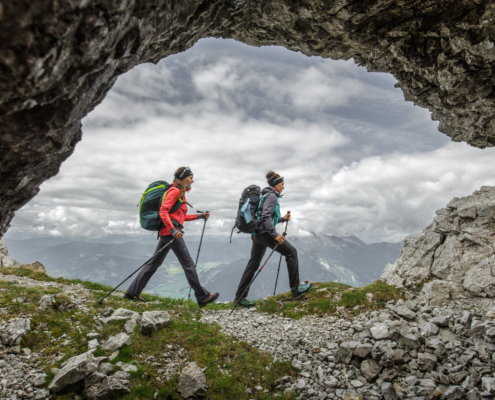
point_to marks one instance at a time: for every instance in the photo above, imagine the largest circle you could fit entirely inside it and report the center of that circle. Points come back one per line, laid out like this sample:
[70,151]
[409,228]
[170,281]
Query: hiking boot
[137,298]
[210,299]
[245,303]
[302,289]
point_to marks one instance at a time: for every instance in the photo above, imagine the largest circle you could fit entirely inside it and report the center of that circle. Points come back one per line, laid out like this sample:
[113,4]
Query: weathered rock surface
[59,62]
[456,252]
[74,370]
[120,315]
[116,342]
[46,302]
[153,320]
[5,260]
[12,333]
[192,381]
[35,266]
[453,359]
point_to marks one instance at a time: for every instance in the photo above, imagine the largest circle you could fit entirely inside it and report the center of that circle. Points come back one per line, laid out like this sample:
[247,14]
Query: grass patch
[125,355]
[327,298]
[143,391]
[231,366]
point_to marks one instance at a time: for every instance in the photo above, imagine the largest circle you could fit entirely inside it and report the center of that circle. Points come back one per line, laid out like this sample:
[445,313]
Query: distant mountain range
[110,260]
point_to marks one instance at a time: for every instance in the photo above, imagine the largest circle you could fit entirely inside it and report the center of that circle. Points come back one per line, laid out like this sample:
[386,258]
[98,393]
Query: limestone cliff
[59,59]
[456,252]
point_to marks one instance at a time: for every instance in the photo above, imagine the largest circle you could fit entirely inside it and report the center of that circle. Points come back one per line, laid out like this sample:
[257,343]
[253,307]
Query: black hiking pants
[180,250]
[258,250]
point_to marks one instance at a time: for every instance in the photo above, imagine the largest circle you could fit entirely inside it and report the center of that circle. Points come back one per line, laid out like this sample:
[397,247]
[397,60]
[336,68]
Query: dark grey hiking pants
[180,250]
[258,249]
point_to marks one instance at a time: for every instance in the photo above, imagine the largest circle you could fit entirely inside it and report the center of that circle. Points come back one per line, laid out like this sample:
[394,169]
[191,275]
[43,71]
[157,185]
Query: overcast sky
[356,157]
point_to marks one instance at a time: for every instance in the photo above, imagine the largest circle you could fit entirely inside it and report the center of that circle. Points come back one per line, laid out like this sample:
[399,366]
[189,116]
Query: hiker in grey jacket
[266,236]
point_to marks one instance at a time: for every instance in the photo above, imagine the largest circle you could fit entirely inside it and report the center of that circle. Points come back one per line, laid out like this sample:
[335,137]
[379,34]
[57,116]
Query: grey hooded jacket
[267,212]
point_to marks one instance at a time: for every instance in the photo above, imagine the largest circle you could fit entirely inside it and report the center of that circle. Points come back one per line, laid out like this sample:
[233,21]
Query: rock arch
[58,59]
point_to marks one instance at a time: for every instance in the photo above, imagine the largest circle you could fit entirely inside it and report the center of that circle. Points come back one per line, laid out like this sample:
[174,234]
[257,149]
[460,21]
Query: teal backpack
[149,207]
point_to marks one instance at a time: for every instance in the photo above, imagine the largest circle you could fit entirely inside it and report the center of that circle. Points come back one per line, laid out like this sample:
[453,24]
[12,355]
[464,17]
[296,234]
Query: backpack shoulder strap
[176,206]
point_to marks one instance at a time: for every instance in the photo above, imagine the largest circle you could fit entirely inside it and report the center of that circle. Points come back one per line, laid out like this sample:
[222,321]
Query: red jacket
[180,215]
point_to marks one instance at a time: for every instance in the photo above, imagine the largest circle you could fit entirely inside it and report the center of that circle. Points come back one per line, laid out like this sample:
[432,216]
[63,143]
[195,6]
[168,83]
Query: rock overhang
[59,60]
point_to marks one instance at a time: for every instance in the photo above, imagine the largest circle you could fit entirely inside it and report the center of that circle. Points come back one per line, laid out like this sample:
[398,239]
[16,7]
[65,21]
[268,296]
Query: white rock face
[480,280]
[456,249]
[116,342]
[121,315]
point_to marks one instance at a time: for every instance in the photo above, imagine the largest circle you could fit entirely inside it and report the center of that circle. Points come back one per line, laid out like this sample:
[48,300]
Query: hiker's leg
[140,282]
[290,253]
[180,250]
[257,252]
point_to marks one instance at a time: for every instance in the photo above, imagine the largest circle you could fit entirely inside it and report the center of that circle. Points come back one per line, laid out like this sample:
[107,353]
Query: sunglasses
[182,173]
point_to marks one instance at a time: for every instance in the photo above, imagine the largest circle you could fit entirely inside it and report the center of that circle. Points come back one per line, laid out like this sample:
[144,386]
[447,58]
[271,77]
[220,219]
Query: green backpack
[149,207]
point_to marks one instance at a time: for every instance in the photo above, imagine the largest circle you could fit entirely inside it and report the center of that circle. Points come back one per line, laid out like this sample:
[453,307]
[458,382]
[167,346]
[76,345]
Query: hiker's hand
[280,239]
[287,217]
[207,215]
[179,235]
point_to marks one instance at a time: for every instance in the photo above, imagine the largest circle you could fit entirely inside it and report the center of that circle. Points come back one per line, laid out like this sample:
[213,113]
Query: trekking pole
[115,288]
[252,280]
[278,271]
[201,241]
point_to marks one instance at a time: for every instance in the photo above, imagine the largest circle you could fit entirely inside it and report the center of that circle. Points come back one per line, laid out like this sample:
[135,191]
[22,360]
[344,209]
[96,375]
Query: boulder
[192,381]
[35,267]
[6,262]
[74,370]
[116,342]
[121,315]
[153,320]
[12,333]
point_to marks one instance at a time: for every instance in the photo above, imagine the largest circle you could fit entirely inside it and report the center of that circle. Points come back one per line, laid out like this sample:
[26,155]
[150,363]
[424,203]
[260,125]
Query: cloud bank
[356,157]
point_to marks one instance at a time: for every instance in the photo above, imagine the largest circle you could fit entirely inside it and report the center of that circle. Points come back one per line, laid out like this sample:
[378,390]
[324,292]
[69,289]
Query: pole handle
[202,212]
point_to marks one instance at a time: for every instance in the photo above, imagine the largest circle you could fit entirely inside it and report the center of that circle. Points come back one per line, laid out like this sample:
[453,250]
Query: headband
[275,181]
[184,174]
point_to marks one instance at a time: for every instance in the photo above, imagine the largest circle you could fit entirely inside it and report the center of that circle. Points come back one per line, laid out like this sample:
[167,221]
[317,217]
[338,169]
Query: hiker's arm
[283,219]
[191,217]
[170,199]
[269,204]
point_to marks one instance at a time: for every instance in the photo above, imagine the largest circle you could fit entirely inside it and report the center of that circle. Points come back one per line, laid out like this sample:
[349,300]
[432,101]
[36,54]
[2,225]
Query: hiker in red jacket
[173,229]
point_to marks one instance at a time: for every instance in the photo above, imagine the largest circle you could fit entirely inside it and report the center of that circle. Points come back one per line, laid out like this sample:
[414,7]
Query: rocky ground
[430,336]
[408,350]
